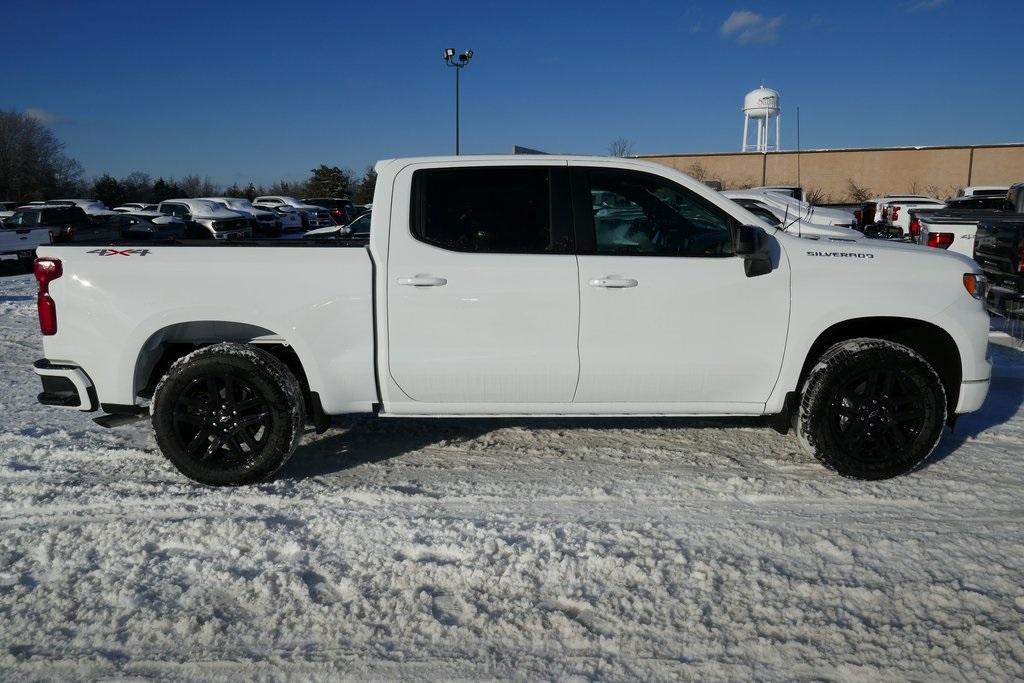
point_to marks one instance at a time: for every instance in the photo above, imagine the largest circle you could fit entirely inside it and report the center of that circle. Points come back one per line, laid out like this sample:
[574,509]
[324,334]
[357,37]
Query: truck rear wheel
[871,409]
[228,414]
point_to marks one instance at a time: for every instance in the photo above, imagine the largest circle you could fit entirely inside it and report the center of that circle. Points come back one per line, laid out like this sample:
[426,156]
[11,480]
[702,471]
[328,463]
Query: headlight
[976,285]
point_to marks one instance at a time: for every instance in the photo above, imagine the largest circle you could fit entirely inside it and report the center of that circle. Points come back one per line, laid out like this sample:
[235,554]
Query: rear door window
[503,210]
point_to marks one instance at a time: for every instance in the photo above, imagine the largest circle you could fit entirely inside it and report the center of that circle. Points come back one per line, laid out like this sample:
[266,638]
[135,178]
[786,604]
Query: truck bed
[313,297]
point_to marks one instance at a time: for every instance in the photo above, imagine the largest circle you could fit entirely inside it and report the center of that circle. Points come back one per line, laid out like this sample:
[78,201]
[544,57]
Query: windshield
[361,225]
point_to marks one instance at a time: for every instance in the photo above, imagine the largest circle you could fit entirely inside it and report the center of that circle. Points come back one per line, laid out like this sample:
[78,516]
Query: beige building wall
[848,174]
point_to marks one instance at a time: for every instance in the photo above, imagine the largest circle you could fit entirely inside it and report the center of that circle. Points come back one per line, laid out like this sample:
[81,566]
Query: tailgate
[13,240]
[997,249]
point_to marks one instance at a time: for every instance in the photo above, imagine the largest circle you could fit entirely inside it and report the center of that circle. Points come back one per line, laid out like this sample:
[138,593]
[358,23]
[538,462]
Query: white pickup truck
[18,241]
[501,286]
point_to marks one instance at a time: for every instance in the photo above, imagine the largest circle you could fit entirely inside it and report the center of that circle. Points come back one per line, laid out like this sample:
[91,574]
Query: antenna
[799,184]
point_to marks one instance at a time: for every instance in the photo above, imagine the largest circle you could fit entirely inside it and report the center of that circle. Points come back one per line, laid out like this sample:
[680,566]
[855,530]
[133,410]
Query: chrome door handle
[422,281]
[613,282]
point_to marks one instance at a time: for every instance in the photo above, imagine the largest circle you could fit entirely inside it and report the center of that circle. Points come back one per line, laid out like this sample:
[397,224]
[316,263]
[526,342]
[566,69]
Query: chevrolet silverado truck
[954,227]
[999,250]
[501,286]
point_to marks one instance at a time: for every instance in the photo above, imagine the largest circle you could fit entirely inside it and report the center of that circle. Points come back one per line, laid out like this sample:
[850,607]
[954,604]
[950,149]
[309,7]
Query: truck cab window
[489,210]
[641,213]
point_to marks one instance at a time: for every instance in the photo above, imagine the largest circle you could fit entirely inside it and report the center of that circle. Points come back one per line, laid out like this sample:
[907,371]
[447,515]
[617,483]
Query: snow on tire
[871,409]
[228,414]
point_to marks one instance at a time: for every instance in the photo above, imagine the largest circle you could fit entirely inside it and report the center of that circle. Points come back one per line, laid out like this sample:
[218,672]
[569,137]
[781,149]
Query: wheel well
[931,341]
[175,341]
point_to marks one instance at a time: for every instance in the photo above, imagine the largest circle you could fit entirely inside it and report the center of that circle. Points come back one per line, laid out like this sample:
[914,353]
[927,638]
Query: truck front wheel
[228,414]
[871,409]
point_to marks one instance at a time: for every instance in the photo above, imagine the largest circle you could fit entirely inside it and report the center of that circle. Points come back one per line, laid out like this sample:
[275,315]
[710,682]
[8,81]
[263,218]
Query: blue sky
[267,90]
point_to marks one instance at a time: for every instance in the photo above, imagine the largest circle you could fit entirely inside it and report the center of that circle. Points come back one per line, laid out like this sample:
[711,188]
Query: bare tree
[620,147]
[857,192]
[32,160]
[815,196]
[697,172]
[194,186]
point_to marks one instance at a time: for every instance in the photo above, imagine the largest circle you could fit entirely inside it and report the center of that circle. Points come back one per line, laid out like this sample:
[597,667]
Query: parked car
[954,227]
[65,223]
[483,292]
[133,207]
[265,223]
[762,211]
[798,217]
[93,207]
[357,229]
[20,234]
[343,211]
[149,226]
[207,220]
[312,216]
[7,209]
[983,191]
[291,220]
[794,191]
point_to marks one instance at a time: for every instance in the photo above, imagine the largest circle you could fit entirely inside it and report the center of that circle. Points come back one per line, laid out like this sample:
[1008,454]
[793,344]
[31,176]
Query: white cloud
[750,27]
[44,117]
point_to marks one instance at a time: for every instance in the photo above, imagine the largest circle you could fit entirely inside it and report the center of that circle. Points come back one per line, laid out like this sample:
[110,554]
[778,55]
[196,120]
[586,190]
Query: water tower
[761,105]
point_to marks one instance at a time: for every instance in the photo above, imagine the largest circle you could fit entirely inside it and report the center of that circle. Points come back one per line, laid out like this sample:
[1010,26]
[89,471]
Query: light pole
[459,63]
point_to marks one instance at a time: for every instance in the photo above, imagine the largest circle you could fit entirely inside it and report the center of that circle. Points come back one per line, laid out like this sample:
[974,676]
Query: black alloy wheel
[221,419]
[871,409]
[228,414]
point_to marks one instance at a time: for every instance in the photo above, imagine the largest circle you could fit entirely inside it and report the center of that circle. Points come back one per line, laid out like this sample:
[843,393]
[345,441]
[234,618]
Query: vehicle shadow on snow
[1004,401]
[367,440]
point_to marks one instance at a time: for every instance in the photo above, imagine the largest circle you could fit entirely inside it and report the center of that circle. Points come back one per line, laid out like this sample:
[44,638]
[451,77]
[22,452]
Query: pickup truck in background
[894,213]
[999,250]
[312,216]
[953,228]
[206,219]
[265,221]
[64,223]
[983,191]
[20,234]
[519,286]
[875,210]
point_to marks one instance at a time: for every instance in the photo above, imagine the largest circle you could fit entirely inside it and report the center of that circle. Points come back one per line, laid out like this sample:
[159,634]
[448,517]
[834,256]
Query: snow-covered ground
[652,549]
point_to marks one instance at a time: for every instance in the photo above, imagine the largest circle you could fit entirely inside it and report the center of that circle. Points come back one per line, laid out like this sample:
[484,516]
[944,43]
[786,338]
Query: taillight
[940,240]
[915,227]
[885,214]
[47,270]
[857,213]
[67,234]
[1020,257]
[894,213]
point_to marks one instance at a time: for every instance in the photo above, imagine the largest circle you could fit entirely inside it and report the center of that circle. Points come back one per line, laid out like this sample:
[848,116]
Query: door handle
[422,281]
[613,282]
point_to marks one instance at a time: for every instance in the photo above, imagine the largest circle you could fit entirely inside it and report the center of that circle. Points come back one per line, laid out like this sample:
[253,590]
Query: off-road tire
[871,409]
[228,414]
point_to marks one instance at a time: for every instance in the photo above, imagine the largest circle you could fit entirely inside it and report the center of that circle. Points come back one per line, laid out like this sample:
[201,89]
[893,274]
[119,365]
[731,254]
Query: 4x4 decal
[119,252]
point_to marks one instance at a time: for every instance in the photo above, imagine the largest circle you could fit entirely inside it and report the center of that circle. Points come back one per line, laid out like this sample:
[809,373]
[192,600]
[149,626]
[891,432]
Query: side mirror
[749,239]
[751,243]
